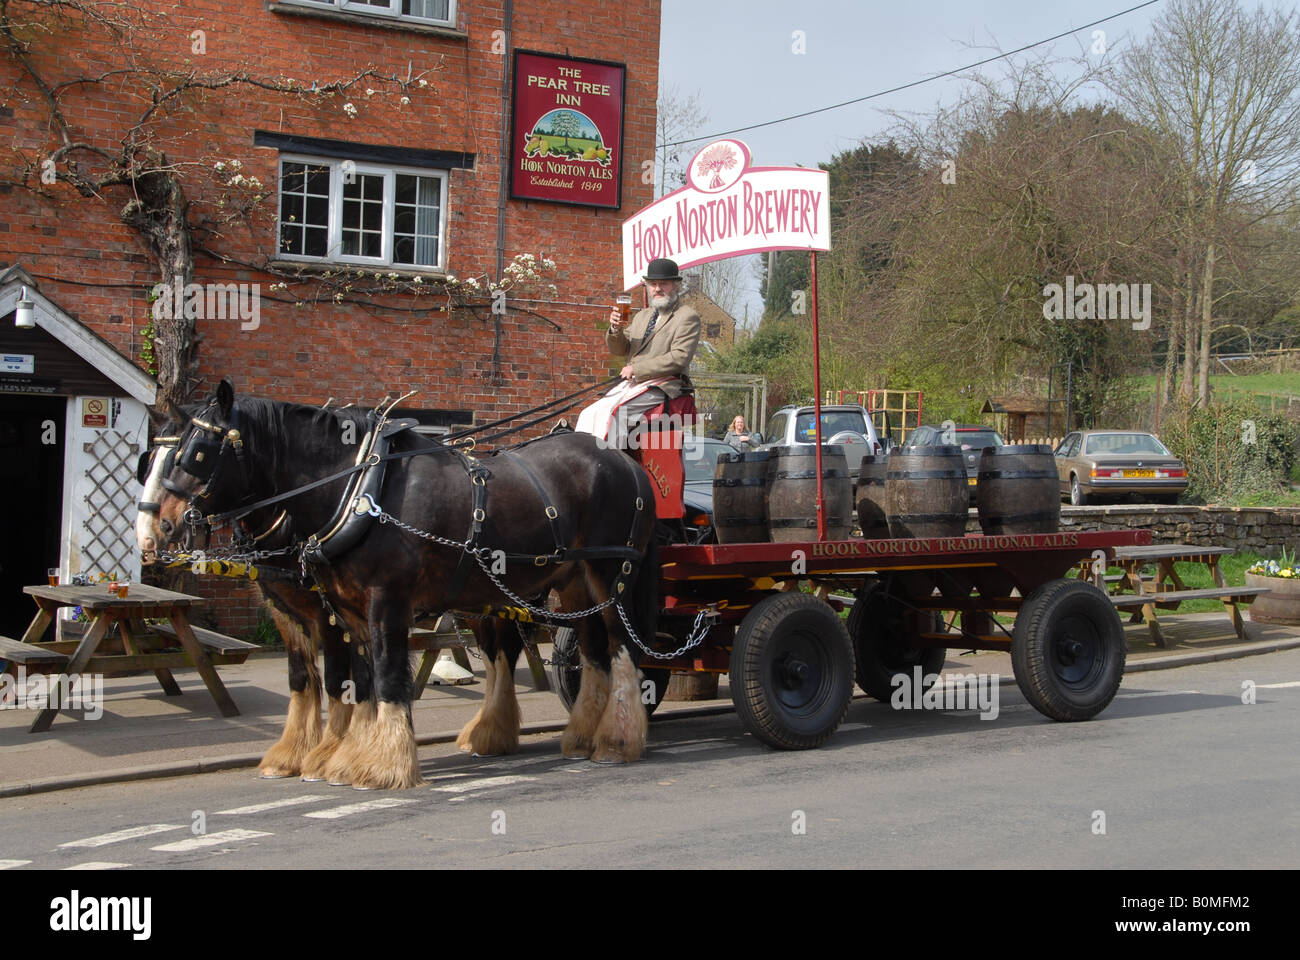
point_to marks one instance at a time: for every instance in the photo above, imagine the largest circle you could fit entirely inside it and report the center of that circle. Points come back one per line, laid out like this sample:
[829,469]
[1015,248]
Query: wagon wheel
[791,671]
[881,647]
[566,673]
[1068,650]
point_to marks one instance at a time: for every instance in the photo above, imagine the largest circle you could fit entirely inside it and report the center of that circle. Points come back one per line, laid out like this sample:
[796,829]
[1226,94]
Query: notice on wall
[94,411]
[567,130]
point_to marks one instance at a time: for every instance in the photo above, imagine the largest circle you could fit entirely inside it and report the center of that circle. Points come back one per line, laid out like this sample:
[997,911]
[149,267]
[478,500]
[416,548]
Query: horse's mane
[282,418]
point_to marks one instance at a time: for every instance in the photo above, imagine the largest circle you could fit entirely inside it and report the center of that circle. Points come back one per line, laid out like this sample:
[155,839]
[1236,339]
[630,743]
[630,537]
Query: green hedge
[1232,451]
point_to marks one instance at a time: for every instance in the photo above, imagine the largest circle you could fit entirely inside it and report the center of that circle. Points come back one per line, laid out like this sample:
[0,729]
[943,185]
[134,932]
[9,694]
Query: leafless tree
[1219,90]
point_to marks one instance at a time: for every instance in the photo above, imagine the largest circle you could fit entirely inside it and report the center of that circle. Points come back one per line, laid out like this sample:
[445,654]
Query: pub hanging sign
[566,127]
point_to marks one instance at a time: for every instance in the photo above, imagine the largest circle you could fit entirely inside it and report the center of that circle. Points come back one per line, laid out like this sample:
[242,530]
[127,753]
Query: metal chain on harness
[481,554]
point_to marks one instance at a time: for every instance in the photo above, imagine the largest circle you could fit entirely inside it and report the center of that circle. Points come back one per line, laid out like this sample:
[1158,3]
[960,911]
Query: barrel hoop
[929,475]
[924,517]
[808,522]
[828,474]
[1019,474]
[739,482]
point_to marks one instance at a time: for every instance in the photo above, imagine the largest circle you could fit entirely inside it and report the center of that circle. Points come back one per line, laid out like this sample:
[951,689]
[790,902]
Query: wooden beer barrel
[740,497]
[926,494]
[869,495]
[792,494]
[1018,490]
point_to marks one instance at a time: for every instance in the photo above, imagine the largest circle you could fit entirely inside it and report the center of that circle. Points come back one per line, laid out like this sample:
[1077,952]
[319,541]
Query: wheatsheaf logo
[76,913]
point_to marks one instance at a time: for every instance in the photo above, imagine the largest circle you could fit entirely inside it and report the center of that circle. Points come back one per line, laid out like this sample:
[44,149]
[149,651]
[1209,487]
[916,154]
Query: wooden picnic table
[1166,588]
[144,644]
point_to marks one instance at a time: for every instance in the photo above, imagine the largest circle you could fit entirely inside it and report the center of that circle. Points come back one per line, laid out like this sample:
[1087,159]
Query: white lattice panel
[108,544]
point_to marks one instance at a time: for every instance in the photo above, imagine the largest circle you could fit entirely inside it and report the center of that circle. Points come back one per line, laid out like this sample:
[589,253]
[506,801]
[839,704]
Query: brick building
[401,176]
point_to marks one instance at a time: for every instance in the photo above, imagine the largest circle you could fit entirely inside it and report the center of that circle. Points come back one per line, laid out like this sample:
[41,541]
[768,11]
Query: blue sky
[739,55]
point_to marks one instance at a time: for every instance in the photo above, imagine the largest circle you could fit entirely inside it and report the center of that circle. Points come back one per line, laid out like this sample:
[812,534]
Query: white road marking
[1277,686]
[481,783]
[1157,693]
[99,865]
[275,804]
[693,747]
[104,839]
[347,810]
[10,864]
[210,840]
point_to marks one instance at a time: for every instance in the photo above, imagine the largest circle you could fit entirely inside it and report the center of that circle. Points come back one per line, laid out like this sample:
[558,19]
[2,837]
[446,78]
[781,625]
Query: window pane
[318,211]
[304,200]
[316,242]
[318,181]
[417,212]
[431,9]
[291,208]
[374,216]
[290,238]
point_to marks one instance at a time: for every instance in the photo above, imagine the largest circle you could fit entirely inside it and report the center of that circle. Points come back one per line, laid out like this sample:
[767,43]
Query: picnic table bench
[145,645]
[1166,589]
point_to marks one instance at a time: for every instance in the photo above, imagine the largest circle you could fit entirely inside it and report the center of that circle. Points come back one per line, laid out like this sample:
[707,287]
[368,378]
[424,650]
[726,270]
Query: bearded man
[659,342]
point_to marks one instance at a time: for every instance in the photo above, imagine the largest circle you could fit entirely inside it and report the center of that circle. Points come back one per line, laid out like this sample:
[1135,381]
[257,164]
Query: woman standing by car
[740,438]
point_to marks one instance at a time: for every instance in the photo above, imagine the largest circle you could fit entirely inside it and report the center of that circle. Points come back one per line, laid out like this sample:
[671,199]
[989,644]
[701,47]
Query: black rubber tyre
[791,671]
[1077,497]
[567,680]
[880,648]
[1068,650]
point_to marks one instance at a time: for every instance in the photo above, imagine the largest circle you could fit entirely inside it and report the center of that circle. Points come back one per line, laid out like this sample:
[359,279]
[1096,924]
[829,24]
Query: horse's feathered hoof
[273,774]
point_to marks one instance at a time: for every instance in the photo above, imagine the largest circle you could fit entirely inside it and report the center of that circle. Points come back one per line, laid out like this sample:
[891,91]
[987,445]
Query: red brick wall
[97,269]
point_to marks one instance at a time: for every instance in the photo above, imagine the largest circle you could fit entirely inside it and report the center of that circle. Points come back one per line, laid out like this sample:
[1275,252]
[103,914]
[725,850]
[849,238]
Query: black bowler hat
[662,269]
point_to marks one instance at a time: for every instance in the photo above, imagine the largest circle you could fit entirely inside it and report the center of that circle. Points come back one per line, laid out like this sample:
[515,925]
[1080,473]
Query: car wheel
[1077,496]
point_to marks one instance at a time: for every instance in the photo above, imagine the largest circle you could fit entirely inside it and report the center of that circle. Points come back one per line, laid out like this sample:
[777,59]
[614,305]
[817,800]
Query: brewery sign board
[729,208]
[566,130]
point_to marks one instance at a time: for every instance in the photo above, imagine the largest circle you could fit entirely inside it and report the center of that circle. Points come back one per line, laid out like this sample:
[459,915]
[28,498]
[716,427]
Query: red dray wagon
[769,615]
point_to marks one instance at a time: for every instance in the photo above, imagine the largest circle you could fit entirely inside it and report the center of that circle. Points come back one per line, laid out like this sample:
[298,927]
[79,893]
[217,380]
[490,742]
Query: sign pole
[817,404]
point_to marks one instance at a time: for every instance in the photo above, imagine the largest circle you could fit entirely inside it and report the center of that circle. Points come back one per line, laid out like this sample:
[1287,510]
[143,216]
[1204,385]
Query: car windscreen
[832,423]
[1124,444]
[978,439]
[700,457]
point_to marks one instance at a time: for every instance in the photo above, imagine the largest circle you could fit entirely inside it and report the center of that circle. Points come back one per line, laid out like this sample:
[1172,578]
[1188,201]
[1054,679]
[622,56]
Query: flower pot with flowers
[1282,578]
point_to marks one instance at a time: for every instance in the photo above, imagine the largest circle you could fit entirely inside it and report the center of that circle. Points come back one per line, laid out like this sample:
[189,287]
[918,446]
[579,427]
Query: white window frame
[334,232]
[392,10]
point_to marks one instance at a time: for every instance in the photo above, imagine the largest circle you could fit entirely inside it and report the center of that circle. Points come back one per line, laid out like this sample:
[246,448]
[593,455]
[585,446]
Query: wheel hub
[794,672]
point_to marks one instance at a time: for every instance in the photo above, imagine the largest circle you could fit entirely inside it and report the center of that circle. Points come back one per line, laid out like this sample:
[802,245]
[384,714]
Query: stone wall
[1263,530]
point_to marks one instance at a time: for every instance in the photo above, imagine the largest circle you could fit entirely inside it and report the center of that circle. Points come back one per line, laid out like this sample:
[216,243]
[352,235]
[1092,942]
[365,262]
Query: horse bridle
[200,451]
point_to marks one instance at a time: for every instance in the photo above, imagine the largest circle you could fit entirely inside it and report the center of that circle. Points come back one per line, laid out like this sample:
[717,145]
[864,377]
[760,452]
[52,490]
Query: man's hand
[627,373]
[616,320]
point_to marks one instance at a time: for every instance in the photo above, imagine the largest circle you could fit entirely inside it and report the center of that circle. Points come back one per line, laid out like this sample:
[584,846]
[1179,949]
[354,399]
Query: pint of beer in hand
[624,302]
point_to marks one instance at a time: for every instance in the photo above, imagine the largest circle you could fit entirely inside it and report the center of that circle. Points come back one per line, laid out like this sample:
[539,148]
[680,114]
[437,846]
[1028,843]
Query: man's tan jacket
[667,353]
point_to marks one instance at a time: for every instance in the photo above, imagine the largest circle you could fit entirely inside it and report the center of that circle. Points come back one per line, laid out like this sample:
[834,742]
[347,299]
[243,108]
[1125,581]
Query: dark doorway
[31,501]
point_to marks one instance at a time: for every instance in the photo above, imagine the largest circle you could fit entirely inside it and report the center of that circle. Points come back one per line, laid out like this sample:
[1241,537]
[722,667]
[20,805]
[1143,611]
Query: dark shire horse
[297,611]
[560,513]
